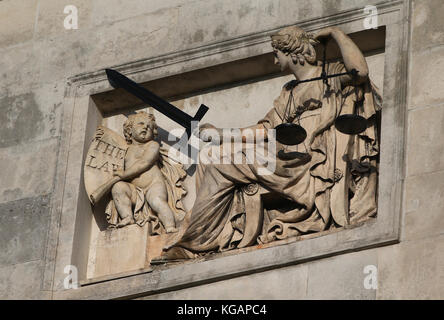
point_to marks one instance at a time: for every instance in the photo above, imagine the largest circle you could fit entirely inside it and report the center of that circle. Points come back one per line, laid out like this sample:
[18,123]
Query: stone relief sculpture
[331,183]
[144,183]
[328,182]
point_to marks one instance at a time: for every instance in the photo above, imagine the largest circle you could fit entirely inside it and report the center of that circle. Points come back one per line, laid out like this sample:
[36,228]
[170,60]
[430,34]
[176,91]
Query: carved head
[295,42]
[140,127]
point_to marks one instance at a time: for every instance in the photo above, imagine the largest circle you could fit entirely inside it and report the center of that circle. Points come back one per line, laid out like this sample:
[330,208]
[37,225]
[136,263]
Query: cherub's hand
[118,173]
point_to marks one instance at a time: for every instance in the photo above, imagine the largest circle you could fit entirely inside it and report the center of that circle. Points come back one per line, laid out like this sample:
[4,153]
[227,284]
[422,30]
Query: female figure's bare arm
[351,54]
[246,133]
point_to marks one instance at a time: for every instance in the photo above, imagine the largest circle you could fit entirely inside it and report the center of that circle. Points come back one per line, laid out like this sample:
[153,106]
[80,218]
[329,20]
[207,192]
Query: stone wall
[38,56]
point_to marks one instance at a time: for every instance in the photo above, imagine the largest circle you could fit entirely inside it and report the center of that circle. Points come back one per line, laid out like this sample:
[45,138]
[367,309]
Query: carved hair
[296,42]
[128,125]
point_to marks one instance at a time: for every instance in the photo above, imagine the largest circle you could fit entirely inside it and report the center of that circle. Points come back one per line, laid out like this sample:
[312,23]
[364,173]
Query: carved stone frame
[69,224]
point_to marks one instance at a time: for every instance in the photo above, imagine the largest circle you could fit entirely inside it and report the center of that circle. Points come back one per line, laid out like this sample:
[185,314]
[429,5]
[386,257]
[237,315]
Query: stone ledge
[232,264]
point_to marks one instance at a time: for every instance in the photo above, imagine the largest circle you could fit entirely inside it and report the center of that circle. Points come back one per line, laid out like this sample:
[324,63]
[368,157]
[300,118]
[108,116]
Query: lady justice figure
[333,180]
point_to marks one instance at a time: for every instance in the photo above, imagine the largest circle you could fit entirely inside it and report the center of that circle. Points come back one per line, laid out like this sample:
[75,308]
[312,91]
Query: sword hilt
[197,117]
[200,113]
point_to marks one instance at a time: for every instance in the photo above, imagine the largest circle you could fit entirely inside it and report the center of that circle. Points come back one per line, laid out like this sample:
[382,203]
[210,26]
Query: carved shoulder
[151,149]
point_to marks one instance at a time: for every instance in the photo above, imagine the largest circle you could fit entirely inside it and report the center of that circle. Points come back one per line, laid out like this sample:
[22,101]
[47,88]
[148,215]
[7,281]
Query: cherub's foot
[171,230]
[125,221]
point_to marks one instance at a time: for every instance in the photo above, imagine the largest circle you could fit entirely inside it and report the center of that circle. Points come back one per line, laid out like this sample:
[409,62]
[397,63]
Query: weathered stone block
[21,119]
[428,30]
[104,11]
[33,115]
[17,19]
[27,170]
[425,151]
[124,40]
[51,17]
[290,12]
[22,281]
[23,230]
[77,52]
[412,270]
[65,56]
[284,283]
[125,249]
[341,277]
[427,75]
[19,69]
[212,20]
[424,206]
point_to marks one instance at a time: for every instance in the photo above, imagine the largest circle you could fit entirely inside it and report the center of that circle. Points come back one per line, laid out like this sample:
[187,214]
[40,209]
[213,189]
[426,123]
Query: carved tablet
[105,155]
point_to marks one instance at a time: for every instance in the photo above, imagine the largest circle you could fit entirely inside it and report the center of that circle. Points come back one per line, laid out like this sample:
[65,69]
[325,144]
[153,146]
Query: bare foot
[171,229]
[125,221]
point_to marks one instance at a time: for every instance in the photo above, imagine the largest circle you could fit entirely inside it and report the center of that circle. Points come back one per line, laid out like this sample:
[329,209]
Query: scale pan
[290,134]
[351,124]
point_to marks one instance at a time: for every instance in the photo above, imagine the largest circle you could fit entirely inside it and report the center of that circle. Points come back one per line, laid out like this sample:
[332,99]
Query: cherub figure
[141,181]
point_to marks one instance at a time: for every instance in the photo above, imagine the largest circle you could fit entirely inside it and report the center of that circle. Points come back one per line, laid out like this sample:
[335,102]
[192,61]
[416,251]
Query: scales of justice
[294,134]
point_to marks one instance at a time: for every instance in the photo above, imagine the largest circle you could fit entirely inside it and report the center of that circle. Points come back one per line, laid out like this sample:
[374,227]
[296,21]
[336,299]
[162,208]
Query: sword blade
[118,80]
